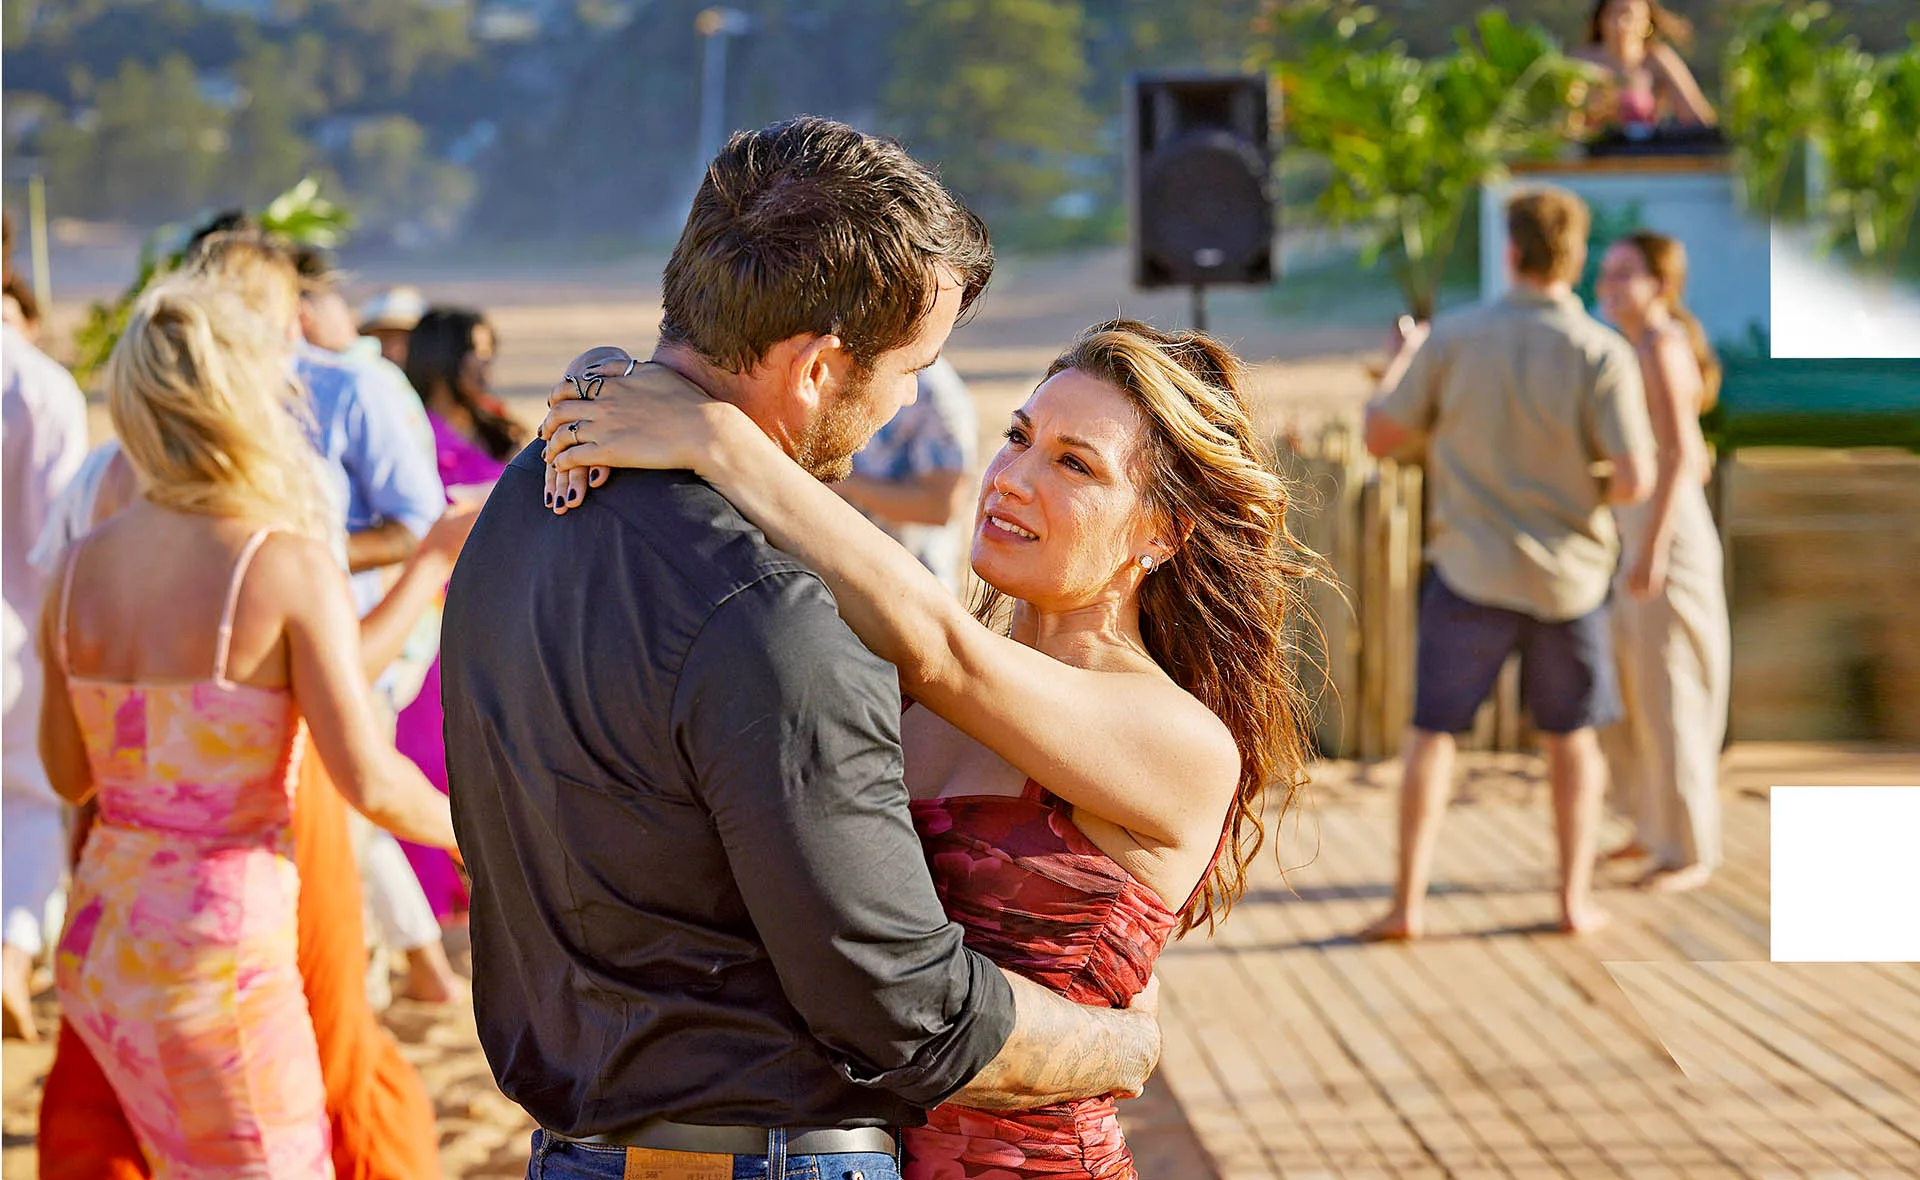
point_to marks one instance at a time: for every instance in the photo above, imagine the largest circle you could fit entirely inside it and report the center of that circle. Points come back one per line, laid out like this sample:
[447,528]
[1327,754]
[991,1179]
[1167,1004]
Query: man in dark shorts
[705,941]
[1515,405]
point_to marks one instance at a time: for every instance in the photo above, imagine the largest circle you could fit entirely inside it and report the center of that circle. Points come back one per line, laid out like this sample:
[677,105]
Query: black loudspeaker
[1201,211]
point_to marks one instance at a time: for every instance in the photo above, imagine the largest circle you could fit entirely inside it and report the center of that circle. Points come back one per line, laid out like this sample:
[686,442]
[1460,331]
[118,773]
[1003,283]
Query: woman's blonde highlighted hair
[1215,614]
[203,399]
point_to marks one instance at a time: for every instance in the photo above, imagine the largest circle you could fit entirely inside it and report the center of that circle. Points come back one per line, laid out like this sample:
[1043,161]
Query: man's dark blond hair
[812,227]
[1548,229]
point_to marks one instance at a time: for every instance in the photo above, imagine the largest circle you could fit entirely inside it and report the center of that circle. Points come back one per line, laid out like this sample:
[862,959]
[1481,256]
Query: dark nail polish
[549,499]
[573,494]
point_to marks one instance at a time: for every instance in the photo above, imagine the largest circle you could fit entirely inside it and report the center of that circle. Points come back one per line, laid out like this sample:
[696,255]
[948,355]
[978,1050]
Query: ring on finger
[633,362]
[574,427]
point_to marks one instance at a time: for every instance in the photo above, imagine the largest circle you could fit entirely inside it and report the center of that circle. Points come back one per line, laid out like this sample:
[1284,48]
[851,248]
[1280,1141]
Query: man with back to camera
[1514,404]
[704,935]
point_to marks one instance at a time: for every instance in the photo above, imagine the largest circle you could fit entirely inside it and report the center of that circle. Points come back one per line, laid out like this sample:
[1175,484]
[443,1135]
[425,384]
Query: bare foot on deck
[1396,926]
[430,977]
[1676,880]
[16,1006]
[1584,919]
[1631,850]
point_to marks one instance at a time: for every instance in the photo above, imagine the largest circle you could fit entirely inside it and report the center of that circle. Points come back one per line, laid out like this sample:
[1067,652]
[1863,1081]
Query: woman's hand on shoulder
[614,411]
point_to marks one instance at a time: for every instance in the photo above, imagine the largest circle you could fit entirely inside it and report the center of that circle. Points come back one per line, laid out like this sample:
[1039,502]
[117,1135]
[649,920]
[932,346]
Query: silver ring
[594,382]
[574,426]
[632,363]
[573,379]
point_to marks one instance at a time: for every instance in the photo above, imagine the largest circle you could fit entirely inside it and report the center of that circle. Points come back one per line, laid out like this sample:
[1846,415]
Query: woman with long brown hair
[1094,744]
[1671,633]
[1637,44]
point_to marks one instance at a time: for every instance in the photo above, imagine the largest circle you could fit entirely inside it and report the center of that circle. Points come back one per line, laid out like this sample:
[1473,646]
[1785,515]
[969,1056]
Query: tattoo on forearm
[1060,1052]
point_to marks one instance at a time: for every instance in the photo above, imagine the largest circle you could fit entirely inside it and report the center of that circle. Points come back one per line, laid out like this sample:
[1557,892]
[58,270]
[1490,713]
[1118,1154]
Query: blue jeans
[555,1158]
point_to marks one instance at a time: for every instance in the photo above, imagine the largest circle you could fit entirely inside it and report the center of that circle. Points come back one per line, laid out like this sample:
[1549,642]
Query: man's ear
[818,367]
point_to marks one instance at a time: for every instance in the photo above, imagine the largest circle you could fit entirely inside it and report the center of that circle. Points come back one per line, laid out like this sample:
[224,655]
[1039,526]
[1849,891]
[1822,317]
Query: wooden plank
[1494,1053]
[1743,1060]
[1568,1122]
[1203,1059]
[1721,1113]
[1636,1076]
[1342,910]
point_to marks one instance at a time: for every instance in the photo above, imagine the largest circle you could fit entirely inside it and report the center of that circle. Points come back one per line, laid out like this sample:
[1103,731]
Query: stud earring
[1146,562]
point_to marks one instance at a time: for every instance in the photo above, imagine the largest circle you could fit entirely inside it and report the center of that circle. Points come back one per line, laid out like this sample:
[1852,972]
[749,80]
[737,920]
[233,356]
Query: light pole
[37,238]
[716,25]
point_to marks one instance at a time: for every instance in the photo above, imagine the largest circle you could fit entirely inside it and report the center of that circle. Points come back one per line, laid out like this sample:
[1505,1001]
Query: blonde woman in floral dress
[197,639]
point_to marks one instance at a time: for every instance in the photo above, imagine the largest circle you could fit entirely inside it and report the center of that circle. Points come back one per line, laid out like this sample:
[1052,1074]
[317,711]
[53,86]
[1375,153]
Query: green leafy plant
[300,215]
[1771,92]
[1868,130]
[1796,83]
[1410,140]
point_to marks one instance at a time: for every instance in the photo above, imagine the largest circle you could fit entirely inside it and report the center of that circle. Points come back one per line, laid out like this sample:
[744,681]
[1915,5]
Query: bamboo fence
[1357,652]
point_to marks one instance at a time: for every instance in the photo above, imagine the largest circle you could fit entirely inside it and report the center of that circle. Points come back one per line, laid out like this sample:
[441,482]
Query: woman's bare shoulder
[295,568]
[1202,732]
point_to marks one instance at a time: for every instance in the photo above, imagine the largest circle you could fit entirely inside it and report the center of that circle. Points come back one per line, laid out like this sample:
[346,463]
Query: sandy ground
[1032,309]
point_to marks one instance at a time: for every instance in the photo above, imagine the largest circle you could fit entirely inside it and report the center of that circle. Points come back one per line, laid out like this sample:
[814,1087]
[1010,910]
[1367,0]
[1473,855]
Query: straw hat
[396,307]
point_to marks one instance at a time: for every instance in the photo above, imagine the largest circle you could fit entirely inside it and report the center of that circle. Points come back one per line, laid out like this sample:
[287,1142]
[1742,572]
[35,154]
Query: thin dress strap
[233,597]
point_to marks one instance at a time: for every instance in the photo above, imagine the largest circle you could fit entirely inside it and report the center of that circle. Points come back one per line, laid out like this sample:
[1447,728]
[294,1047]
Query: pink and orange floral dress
[177,967]
[1036,896]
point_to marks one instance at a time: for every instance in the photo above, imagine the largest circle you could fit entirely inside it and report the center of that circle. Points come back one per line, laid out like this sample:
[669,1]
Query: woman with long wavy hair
[1093,746]
[1671,634]
[200,638]
[1637,44]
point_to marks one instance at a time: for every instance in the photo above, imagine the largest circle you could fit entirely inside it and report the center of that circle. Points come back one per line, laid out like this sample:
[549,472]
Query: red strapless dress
[1036,896]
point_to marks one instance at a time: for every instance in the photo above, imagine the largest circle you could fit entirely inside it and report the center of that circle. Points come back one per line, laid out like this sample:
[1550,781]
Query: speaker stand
[1198,316]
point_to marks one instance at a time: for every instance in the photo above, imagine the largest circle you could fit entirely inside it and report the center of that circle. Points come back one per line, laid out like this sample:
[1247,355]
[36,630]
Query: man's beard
[845,425]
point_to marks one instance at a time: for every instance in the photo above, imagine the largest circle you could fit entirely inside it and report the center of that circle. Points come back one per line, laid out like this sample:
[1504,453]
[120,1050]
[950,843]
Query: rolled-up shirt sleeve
[1413,402]
[791,730]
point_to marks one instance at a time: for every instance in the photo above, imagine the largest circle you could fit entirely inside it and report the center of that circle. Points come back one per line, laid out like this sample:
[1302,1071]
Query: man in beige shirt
[1514,407]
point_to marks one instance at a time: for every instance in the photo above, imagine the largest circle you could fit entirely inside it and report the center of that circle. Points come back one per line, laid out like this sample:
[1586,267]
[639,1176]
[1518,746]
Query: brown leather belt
[662,1135]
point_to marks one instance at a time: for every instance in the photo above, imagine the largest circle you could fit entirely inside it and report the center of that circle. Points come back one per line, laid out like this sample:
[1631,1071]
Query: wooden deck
[1498,1048]
[1494,1049]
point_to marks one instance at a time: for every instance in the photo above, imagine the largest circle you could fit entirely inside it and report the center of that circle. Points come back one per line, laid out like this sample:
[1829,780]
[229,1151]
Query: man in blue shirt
[372,429]
[392,488]
[911,479]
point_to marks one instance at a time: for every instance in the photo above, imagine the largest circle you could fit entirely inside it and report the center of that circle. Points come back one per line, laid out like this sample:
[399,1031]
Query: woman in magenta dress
[448,358]
[1088,753]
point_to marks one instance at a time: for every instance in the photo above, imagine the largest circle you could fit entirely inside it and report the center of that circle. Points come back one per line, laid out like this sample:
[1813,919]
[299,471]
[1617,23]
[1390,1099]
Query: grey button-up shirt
[697,891]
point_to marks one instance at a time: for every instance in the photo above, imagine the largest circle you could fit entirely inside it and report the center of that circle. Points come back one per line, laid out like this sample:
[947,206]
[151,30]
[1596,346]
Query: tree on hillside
[991,91]
[268,150]
[150,146]
[398,186]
